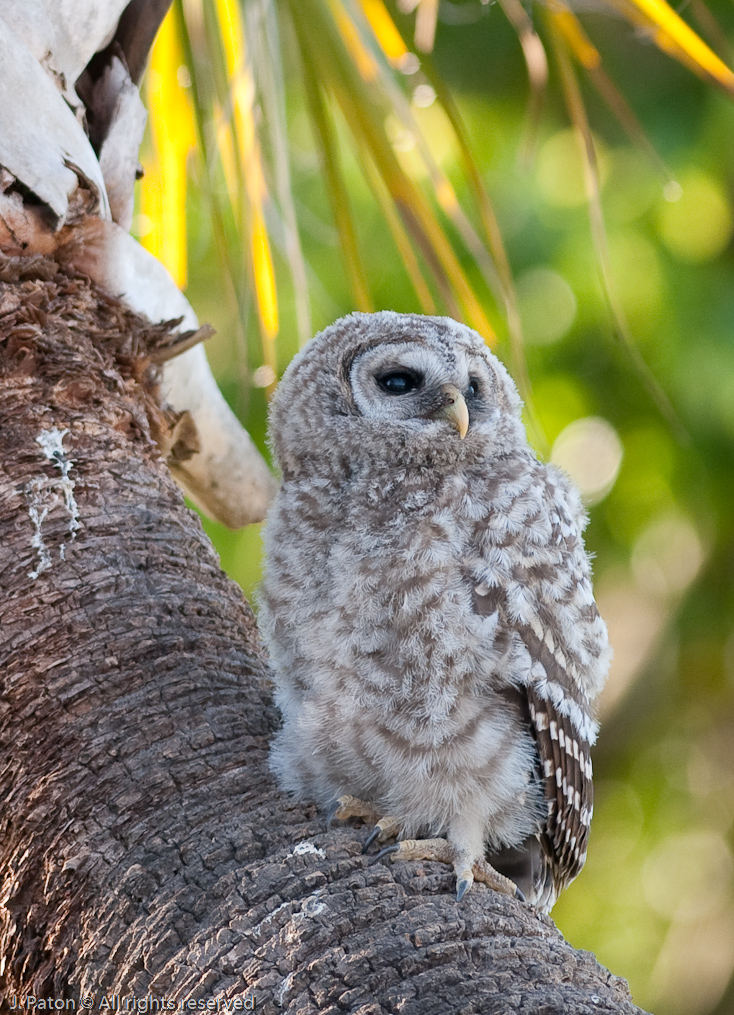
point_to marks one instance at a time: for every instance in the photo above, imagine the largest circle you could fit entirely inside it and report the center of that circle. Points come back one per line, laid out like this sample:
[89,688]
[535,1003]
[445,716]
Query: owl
[428,608]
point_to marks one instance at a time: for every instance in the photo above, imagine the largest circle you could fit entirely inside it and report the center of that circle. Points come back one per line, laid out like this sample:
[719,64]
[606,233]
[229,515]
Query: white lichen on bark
[302,848]
[45,492]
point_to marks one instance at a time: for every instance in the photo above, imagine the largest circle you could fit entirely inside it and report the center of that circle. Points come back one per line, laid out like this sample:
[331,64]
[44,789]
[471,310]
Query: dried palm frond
[360,81]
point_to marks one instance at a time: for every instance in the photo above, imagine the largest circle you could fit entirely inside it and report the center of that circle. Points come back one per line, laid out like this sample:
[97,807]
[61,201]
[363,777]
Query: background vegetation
[656,900]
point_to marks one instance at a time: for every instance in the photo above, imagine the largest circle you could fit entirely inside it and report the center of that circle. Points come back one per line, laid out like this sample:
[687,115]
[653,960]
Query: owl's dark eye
[399,382]
[473,388]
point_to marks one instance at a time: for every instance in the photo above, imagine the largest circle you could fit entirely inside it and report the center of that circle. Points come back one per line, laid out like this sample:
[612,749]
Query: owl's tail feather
[528,866]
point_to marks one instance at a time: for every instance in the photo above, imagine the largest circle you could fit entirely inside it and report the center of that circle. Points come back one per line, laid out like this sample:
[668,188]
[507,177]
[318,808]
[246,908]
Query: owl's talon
[385,828]
[519,896]
[463,886]
[374,834]
[385,851]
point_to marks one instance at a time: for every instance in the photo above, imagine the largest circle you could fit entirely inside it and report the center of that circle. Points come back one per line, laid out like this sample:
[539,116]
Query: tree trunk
[145,850]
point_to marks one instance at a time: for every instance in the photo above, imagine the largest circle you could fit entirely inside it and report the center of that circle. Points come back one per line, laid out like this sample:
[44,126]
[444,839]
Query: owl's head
[394,387]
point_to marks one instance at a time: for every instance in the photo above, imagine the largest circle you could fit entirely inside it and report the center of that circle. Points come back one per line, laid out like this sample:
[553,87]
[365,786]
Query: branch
[144,846]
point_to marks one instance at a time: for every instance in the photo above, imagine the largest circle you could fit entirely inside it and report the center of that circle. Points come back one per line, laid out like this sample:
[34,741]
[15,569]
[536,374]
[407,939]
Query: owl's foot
[468,870]
[352,807]
[385,828]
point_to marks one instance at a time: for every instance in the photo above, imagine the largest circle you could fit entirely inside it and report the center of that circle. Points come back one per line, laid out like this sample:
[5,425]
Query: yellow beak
[455,411]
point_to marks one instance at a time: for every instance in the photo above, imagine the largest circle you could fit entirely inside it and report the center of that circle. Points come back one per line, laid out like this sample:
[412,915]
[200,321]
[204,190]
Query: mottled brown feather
[427,597]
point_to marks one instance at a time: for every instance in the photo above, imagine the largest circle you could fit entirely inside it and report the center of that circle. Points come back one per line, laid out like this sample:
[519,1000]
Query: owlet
[428,607]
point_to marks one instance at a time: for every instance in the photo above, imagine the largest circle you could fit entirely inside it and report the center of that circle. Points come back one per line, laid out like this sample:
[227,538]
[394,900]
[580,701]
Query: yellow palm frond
[163,191]
[358,66]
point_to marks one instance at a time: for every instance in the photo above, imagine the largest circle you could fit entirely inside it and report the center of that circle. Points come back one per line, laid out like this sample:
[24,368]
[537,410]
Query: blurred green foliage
[656,900]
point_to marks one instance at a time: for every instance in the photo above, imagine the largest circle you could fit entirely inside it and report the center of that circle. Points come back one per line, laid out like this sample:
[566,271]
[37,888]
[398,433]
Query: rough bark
[67,191]
[144,847]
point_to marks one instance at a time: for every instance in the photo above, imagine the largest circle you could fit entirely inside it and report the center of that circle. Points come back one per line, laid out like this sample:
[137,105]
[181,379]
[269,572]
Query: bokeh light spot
[698,226]
[409,64]
[561,171]
[424,96]
[667,556]
[263,377]
[547,305]
[590,451]
[402,139]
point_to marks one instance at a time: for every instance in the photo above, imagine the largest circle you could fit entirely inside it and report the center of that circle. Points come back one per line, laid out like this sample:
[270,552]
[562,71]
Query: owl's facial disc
[407,383]
[453,408]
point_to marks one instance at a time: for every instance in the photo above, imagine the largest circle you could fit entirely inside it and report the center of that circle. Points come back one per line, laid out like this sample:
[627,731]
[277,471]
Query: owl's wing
[547,611]
[556,710]
[565,764]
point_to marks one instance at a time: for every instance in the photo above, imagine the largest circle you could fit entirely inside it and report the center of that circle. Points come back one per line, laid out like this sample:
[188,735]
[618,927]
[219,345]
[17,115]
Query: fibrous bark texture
[145,850]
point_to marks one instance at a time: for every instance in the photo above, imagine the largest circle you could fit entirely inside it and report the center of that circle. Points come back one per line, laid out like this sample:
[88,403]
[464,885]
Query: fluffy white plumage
[427,601]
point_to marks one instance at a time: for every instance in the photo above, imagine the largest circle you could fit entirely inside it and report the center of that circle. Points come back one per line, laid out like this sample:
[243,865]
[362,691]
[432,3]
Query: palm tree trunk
[145,851]
[130,673]
[147,859]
